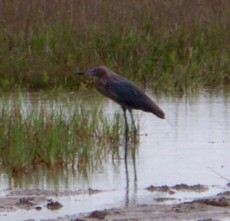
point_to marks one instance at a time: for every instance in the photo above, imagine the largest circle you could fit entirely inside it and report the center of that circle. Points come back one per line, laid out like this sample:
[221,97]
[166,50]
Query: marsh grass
[55,137]
[168,45]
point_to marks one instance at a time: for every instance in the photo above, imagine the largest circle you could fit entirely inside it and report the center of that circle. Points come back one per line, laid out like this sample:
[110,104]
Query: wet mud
[36,199]
[178,187]
[203,209]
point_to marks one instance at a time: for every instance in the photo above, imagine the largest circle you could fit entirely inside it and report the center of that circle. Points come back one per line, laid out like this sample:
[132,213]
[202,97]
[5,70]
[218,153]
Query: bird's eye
[93,72]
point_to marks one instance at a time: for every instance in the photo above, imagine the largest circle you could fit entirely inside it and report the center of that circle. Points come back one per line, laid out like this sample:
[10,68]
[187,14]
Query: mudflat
[204,209]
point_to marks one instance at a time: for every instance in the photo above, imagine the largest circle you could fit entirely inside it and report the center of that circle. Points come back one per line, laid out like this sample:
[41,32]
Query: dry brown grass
[44,42]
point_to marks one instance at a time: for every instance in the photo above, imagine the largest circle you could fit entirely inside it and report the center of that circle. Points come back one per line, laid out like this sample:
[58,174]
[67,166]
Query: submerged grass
[169,45]
[51,137]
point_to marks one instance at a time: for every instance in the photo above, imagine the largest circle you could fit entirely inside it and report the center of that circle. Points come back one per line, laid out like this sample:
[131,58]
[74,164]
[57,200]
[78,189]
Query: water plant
[55,135]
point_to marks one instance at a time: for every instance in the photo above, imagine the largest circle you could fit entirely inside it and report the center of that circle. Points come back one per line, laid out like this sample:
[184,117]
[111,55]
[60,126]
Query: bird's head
[96,72]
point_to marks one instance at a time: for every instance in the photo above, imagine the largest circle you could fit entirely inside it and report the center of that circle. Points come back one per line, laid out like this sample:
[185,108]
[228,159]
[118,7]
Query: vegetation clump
[55,136]
[168,45]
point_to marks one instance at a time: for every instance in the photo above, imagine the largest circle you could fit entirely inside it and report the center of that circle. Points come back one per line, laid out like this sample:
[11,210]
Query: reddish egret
[124,92]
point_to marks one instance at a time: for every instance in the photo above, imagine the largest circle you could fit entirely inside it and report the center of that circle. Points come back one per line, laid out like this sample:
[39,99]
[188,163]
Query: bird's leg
[126,124]
[133,123]
[126,133]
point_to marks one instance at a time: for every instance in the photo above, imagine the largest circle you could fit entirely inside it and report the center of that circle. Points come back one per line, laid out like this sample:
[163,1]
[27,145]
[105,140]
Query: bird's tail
[157,111]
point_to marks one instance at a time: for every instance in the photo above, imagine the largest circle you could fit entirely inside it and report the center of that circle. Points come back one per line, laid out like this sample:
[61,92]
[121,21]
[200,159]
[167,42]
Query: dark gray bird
[124,92]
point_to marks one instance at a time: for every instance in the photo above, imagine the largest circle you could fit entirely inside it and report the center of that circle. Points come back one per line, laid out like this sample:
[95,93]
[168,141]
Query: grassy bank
[169,45]
[55,137]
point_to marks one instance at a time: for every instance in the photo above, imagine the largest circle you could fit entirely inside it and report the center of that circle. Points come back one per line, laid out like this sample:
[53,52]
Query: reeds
[55,136]
[166,44]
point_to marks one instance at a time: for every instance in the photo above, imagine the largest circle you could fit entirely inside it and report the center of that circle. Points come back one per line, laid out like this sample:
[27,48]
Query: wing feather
[128,95]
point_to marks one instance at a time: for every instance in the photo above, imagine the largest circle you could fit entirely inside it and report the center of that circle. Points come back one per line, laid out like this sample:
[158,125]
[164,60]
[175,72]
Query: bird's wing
[128,94]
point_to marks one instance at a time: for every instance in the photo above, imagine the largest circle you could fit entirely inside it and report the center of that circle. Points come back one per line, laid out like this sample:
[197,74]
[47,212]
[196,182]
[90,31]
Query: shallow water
[193,150]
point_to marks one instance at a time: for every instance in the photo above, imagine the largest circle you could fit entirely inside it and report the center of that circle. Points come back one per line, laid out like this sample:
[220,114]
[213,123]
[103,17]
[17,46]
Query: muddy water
[193,149]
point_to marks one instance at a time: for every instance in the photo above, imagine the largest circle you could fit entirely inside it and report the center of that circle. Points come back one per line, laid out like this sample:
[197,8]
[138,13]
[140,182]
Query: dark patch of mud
[25,203]
[220,200]
[36,199]
[209,219]
[201,204]
[161,199]
[98,214]
[78,219]
[179,187]
[54,205]
[12,203]
[205,209]
[226,193]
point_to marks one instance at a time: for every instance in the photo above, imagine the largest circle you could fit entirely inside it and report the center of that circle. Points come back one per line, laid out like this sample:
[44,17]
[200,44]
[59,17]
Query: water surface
[195,150]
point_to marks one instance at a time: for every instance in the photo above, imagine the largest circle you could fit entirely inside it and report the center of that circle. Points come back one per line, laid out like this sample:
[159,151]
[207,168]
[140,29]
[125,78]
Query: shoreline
[204,209]
[212,208]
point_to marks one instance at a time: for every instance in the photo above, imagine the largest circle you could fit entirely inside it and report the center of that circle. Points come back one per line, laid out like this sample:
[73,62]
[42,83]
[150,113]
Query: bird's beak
[80,73]
[88,72]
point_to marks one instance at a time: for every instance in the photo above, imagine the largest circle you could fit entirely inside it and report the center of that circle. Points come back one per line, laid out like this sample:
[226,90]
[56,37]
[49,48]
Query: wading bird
[123,92]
